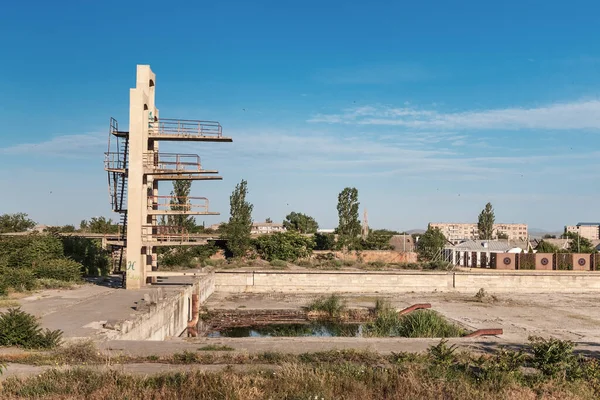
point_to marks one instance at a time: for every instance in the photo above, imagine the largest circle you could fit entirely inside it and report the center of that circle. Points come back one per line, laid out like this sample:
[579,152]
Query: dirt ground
[574,317]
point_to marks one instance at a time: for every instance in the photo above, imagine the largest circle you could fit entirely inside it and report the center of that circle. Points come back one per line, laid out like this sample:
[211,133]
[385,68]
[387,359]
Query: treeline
[20,222]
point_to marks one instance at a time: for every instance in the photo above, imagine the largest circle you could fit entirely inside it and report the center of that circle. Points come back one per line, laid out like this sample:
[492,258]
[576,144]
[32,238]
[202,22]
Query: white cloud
[559,116]
[69,146]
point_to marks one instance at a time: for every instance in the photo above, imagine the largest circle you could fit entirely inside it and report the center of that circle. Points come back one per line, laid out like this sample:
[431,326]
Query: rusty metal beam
[414,307]
[485,332]
[191,326]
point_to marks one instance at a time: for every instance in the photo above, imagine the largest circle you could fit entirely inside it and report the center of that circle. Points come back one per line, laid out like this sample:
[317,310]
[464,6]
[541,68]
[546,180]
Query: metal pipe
[191,326]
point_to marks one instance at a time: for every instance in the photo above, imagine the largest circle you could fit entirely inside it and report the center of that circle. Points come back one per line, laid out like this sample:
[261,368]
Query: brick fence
[386,256]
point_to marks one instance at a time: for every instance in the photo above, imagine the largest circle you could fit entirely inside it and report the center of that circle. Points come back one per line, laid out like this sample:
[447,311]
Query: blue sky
[429,108]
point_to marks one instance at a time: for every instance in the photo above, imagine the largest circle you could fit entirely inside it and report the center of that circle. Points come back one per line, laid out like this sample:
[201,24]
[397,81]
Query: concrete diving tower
[136,166]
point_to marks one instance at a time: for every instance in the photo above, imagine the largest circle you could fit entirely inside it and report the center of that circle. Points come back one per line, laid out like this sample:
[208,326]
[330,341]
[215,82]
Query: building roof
[402,243]
[560,243]
[492,245]
[588,223]
[266,224]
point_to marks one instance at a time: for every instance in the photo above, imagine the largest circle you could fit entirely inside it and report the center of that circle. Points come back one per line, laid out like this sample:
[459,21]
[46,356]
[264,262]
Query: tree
[99,225]
[349,227]
[18,222]
[545,247]
[378,239]
[60,229]
[286,246]
[300,223]
[269,220]
[548,236]
[324,241]
[430,244]
[502,235]
[579,244]
[485,226]
[180,202]
[237,230]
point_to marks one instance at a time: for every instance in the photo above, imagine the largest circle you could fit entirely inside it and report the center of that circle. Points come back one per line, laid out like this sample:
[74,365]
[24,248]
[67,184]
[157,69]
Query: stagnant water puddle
[387,323]
[315,329]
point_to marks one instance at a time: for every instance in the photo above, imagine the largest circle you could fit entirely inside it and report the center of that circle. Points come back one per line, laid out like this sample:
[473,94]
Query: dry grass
[8,303]
[293,381]
[442,373]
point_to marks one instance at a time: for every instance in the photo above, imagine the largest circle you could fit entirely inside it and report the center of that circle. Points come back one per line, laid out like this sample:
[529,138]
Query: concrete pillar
[141,111]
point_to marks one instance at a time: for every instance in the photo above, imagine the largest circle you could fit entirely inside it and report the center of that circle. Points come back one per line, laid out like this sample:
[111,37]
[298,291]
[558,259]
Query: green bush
[421,323]
[286,246]
[552,357]
[26,251]
[89,253]
[332,305]
[324,241]
[18,328]
[441,354]
[426,323]
[185,256]
[17,279]
[62,269]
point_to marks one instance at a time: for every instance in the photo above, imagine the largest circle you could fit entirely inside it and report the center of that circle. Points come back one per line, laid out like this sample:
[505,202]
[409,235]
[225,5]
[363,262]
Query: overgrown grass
[325,263]
[216,347]
[78,353]
[50,283]
[279,264]
[420,323]
[348,374]
[6,302]
[332,305]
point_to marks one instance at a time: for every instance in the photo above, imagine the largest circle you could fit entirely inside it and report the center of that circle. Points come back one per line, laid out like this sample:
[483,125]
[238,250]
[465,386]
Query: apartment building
[456,232]
[588,230]
[266,227]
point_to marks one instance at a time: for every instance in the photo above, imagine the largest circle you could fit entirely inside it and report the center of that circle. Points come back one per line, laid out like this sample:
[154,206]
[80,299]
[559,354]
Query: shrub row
[25,259]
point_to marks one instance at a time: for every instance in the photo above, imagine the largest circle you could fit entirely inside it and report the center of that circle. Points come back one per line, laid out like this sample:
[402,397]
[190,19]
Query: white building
[477,253]
[266,227]
[325,230]
[456,232]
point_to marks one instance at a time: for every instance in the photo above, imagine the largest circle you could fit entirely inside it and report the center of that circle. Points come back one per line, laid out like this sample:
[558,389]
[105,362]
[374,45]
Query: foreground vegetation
[18,328]
[545,368]
[35,261]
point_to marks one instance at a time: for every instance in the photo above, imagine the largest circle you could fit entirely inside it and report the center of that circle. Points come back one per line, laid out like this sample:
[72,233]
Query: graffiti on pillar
[130,265]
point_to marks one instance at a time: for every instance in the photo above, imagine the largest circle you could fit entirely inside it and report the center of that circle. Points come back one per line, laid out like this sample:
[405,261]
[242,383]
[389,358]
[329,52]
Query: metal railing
[172,162]
[114,160]
[184,128]
[165,233]
[164,203]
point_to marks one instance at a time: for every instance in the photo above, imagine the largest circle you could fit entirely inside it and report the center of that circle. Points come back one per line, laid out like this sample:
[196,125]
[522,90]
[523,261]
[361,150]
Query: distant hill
[538,233]
[413,231]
